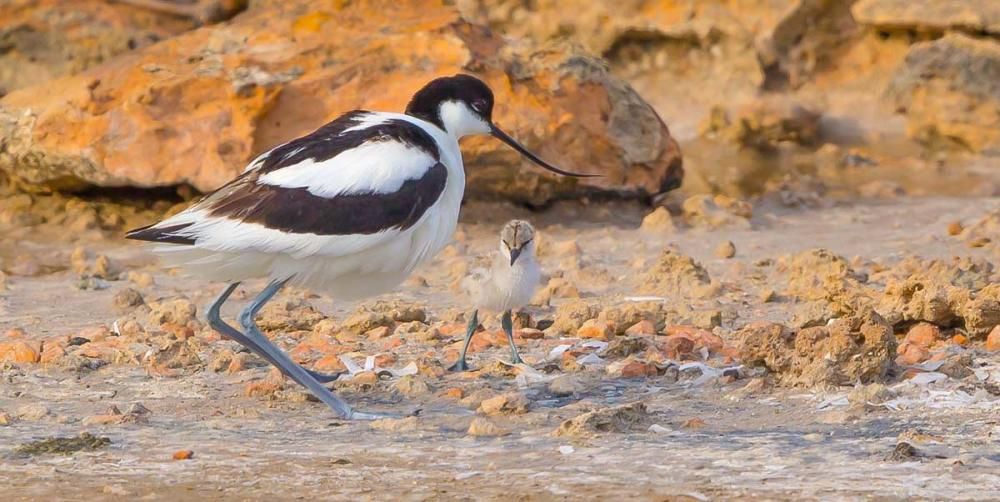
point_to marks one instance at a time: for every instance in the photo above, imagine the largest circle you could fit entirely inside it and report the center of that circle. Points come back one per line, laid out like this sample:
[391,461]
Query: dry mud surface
[642,424]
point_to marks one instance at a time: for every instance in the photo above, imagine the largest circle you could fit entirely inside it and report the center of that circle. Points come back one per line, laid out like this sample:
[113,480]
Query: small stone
[410,385]
[78,260]
[453,393]
[25,266]
[923,334]
[32,412]
[174,311]
[641,328]
[993,340]
[979,242]
[105,269]
[726,250]
[127,298]
[5,418]
[594,329]
[484,427]
[529,334]
[693,423]
[658,221]
[511,403]
[620,419]
[955,228]
[19,351]
[364,378]
[378,333]
[140,279]
[565,385]
[183,455]
[908,354]
[638,369]
[767,295]
[407,424]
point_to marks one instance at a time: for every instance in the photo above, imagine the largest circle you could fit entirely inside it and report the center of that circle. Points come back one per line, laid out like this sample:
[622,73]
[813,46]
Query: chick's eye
[479,105]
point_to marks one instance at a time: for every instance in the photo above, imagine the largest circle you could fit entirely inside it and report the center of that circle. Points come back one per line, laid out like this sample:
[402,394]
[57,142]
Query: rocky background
[874,97]
[788,267]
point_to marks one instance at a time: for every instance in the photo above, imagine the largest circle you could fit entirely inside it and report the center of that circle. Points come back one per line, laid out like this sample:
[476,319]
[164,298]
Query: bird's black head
[462,105]
[444,98]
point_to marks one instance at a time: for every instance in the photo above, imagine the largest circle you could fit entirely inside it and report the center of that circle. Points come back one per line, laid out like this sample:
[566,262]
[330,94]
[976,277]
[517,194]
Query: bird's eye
[479,105]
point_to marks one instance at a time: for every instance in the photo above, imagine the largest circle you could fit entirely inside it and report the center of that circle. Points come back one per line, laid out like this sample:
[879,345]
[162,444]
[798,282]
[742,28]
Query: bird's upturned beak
[502,136]
[514,253]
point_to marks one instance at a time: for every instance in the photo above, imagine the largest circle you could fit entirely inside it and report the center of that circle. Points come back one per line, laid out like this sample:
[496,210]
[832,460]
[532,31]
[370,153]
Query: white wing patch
[222,234]
[377,166]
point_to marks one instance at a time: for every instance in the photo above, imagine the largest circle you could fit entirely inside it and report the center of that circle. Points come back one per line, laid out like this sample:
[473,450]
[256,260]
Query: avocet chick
[508,284]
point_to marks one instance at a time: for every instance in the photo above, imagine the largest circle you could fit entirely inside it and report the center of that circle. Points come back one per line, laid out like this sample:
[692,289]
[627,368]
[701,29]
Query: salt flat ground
[697,441]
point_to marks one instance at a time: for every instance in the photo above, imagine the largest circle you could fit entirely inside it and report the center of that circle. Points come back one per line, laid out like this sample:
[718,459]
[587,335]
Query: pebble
[484,427]
[658,221]
[955,228]
[641,328]
[183,455]
[993,340]
[411,386]
[127,298]
[565,385]
[32,412]
[923,334]
[726,250]
[594,329]
[396,424]
[511,403]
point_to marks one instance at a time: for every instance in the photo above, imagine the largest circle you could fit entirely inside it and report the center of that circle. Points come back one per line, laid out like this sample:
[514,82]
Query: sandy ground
[724,438]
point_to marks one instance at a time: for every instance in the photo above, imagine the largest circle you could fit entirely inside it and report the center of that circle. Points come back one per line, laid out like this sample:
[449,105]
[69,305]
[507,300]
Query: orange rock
[677,346]
[51,352]
[528,334]
[635,369]
[183,455]
[91,127]
[908,354]
[641,328]
[14,333]
[18,351]
[385,360]
[393,342]
[592,328]
[993,340]
[960,340]
[329,364]
[262,388]
[693,423]
[700,337]
[365,378]
[237,364]
[923,334]
[378,333]
[79,34]
[453,393]
[955,228]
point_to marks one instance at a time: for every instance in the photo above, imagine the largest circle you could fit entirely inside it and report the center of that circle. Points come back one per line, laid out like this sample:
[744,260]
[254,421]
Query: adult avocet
[350,209]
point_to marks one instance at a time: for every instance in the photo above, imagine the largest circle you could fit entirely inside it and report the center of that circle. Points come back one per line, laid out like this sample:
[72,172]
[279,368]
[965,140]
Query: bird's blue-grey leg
[469,331]
[216,322]
[285,363]
[508,327]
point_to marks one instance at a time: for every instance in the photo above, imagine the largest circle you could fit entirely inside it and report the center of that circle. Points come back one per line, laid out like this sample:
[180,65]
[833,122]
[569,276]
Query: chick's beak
[514,253]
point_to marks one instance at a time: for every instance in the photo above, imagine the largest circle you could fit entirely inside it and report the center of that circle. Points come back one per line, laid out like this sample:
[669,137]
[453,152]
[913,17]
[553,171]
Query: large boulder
[44,39]
[195,108]
[930,16]
[950,92]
